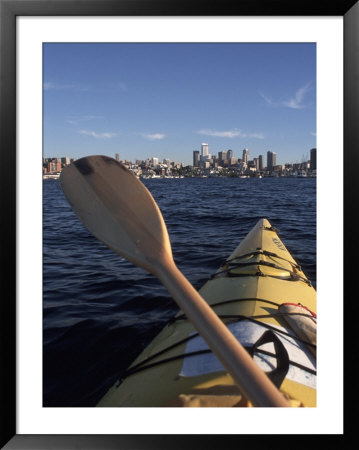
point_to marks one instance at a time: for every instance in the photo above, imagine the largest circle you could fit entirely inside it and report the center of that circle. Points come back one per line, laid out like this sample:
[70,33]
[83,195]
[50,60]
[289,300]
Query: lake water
[99,311]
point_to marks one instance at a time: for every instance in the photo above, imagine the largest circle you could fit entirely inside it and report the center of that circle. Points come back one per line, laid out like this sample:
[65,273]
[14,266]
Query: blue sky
[164,100]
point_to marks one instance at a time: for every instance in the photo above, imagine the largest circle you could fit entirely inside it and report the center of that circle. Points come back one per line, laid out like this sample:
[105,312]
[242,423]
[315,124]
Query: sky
[165,99]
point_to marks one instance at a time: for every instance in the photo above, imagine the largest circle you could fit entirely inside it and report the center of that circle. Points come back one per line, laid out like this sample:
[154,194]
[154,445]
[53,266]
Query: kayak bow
[269,305]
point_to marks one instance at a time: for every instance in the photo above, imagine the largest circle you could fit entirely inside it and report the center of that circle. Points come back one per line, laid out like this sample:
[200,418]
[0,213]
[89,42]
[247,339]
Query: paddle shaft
[253,382]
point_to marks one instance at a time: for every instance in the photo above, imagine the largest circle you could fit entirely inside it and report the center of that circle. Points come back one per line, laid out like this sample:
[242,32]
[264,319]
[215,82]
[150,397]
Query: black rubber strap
[278,374]
[276,230]
[239,317]
[291,277]
[262,252]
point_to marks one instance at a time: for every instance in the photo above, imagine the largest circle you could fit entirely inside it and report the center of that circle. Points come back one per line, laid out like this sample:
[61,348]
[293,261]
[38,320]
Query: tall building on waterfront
[54,165]
[229,155]
[65,160]
[313,159]
[245,157]
[222,155]
[271,160]
[195,158]
[117,156]
[260,162]
[204,150]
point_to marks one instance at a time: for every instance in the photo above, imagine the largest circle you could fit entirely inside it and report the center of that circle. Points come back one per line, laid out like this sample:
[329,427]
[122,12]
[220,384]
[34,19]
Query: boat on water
[52,176]
[161,177]
[267,302]
[301,174]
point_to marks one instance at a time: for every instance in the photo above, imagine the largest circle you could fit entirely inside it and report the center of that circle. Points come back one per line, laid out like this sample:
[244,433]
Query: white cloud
[97,135]
[154,136]
[295,102]
[48,85]
[292,103]
[268,100]
[230,133]
[253,135]
[73,120]
[106,87]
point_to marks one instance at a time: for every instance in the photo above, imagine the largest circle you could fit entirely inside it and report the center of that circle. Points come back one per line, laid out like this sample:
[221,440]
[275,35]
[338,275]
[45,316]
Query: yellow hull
[177,368]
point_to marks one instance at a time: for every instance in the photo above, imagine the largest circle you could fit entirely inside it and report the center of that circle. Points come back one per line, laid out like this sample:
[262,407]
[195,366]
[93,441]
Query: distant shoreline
[56,176]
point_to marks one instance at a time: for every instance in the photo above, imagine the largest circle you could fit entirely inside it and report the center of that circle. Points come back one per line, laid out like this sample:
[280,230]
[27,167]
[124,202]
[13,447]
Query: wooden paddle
[120,211]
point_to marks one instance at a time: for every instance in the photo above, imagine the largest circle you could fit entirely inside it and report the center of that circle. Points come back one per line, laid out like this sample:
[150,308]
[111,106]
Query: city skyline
[163,100]
[245,157]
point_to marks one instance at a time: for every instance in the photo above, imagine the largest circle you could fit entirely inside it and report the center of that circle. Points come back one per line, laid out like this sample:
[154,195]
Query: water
[99,311]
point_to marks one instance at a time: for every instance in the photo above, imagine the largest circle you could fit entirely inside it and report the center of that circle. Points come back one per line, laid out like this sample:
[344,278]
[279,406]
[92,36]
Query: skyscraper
[229,155]
[313,159]
[271,160]
[260,162]
[222,155]
[204,149]
[196,158]
[65,160]
[245,157]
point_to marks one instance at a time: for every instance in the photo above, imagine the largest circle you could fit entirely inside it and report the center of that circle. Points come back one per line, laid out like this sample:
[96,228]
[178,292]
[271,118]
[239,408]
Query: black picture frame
[9,10]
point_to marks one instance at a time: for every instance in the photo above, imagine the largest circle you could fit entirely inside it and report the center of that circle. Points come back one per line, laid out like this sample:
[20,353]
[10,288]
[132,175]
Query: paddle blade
[118,209]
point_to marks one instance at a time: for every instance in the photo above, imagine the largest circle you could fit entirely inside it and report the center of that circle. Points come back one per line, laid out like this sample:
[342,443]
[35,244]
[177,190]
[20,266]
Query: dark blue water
[99,311]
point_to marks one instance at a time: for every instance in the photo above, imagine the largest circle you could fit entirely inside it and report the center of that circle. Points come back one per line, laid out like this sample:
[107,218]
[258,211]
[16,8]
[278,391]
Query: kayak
[267,302]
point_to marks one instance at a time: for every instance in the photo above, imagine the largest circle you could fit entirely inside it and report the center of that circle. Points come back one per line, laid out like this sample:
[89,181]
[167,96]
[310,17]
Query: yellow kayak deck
[178,369]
